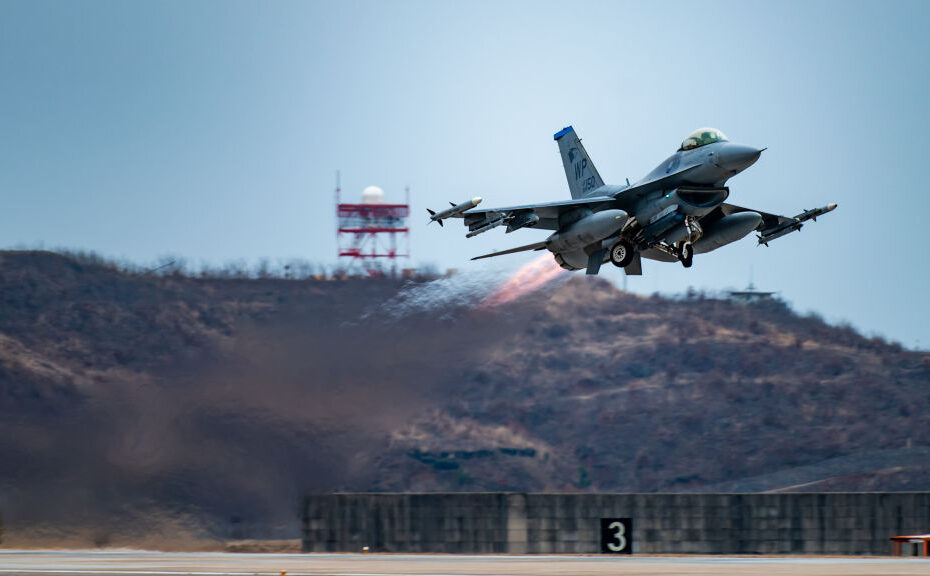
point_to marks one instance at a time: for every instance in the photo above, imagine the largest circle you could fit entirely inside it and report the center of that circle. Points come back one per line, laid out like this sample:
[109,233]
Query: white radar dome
[372,195]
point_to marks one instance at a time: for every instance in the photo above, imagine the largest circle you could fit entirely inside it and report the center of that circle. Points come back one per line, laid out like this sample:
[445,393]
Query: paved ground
[29,563]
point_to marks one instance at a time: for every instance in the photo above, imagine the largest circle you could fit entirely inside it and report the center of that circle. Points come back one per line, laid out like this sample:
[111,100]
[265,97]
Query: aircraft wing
[544,216]
[775,226]
[640,189]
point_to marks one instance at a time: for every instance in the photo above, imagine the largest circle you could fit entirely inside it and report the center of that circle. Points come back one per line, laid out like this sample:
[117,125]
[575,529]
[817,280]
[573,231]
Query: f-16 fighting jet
[676,211]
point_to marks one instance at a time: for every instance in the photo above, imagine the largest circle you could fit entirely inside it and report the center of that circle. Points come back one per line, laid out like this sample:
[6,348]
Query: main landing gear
[621,254]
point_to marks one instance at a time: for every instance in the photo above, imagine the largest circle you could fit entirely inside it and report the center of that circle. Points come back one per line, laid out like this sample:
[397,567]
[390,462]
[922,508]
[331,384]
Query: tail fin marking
[579,170]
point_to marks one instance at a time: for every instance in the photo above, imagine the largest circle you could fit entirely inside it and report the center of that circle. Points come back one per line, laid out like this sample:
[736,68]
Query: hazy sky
[212,130]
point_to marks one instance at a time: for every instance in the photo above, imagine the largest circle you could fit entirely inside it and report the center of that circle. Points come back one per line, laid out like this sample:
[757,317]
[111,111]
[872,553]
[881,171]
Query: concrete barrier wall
[830,523]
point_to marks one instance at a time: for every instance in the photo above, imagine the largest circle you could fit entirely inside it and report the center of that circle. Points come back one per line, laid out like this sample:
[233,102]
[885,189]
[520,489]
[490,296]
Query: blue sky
[212,130]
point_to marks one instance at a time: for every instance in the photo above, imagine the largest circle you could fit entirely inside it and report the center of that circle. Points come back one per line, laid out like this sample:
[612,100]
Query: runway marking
[148,563]
[118,572]
[226,573]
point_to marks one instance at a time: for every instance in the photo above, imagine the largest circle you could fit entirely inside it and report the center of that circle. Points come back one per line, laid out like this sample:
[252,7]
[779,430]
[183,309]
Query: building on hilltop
[750,295]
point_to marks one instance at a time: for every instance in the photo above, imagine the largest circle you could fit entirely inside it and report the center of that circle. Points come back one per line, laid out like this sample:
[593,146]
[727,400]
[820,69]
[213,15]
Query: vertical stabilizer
[580,171]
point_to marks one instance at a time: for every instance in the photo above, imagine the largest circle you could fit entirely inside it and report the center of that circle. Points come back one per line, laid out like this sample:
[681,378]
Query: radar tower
[371,232]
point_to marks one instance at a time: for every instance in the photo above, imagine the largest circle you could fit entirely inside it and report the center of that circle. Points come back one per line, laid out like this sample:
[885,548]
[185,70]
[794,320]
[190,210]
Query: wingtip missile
[827,208]
[813,213]
[794,224]
[455,210]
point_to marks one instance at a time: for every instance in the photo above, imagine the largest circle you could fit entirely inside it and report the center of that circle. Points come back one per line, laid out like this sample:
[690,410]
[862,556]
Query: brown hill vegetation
[137,407]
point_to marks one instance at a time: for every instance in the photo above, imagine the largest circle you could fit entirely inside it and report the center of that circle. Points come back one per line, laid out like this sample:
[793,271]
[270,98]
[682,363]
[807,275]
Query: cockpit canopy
[703,137]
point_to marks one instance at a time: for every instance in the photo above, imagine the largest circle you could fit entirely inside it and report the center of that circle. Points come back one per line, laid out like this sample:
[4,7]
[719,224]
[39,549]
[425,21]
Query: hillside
[141,409]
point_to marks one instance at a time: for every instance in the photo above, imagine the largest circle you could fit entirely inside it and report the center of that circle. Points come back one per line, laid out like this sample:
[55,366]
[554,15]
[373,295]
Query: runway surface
[130,562]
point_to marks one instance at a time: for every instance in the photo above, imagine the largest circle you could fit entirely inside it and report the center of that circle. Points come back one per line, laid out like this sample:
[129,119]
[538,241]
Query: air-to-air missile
[486,225]
[766,235]
[456,209]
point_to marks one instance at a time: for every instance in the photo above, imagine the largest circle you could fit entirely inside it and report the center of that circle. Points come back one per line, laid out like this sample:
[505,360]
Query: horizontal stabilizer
[534,246]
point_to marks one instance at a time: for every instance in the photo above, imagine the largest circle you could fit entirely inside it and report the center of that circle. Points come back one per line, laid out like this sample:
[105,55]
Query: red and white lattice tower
[371,233]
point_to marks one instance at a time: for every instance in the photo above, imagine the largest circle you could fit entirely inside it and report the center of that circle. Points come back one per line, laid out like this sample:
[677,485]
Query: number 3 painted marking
[620,535]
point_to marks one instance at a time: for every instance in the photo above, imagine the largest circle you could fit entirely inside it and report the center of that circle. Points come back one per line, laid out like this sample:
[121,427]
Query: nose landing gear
[686,254]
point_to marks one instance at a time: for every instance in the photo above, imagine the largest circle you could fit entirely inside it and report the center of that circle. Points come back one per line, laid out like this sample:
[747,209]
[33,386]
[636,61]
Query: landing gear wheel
[686,255]
[621,254]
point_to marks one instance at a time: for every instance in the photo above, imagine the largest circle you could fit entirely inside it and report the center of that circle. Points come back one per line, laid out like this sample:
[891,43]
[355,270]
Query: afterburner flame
[527,279]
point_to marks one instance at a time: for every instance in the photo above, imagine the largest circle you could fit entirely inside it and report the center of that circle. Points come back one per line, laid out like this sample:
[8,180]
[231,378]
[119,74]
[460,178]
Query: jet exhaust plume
[440,296]
[485,288]
[531,277]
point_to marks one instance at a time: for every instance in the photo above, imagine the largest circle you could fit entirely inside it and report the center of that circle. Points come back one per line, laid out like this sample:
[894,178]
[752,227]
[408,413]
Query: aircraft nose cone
[737,157]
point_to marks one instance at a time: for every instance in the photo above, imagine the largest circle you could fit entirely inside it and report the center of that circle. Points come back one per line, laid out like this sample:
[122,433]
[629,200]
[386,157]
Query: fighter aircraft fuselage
[677,210]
